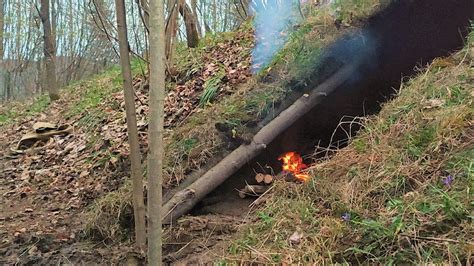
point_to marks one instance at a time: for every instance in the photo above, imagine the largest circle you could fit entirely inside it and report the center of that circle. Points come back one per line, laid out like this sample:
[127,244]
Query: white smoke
[273,21]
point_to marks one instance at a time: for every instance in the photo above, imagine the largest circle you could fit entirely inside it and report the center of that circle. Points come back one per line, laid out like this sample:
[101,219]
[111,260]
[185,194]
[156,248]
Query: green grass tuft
[211,89]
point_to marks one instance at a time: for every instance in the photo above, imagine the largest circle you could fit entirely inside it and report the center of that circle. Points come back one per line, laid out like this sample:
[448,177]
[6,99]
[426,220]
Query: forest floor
[49,185]
[66,199]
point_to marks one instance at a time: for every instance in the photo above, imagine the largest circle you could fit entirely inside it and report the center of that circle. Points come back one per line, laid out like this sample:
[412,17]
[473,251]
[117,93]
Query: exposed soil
[46,191]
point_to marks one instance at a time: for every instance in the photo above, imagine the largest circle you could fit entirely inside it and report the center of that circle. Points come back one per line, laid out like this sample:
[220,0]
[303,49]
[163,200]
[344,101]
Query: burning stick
[293,163]
[252,190]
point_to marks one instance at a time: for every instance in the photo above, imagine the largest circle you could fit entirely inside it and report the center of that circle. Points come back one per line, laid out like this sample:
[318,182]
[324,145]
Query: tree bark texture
[49,52]
[156,130]
[190,22]
[136,169]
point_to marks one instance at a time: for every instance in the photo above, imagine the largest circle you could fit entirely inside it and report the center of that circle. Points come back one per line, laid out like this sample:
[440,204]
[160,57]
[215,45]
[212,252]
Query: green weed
[211,89]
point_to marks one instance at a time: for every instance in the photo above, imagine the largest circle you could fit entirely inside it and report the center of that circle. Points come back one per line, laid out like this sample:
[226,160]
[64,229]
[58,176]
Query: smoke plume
[273,22]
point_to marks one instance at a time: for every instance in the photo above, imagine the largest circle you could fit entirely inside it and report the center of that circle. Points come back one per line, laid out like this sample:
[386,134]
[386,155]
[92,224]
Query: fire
[293,163]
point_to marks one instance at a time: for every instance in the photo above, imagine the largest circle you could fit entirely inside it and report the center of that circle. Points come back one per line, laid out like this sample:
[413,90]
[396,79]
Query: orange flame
[293,163]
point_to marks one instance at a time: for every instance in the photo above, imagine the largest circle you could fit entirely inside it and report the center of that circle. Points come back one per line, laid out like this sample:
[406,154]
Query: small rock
[295,238]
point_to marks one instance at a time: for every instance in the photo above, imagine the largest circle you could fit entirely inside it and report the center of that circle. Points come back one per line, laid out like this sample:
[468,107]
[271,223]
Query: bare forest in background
[85,41]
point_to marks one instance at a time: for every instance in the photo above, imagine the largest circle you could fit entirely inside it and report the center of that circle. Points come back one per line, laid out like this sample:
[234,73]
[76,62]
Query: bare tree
[49,52]
[155,132]
[190,22]
[1,30]
[1,43]
[171,30]
[138,203]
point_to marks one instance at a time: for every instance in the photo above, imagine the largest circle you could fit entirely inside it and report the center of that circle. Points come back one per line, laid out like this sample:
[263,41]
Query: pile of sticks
[264,182]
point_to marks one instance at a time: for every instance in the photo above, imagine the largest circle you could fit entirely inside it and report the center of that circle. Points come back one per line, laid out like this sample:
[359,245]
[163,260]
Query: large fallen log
[183,201]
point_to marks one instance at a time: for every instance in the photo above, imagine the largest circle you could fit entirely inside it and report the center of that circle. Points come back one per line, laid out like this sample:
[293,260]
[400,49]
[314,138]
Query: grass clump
[400,193]
[111,217]
[211,88]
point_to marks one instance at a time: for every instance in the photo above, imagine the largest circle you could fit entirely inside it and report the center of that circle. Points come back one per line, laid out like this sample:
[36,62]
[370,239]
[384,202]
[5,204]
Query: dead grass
[388,197]
[110,218]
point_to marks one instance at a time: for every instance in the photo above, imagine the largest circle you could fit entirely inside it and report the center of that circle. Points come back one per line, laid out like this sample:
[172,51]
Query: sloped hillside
[401,192]
[48,188]
[68,190]
[199,141]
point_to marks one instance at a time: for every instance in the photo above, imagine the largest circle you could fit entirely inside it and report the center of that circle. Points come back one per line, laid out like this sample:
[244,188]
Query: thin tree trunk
[138,203]
[19,28]
[155,131]
[54,18]
[2,15]
[38,81]
[8,88]
[49,52]
[171,29]
[2,68]
[70,57]
[146,13]
[170,32]
[192,35]
[198,25]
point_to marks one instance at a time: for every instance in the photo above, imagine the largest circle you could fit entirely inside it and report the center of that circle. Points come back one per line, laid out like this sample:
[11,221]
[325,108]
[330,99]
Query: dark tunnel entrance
[391,45]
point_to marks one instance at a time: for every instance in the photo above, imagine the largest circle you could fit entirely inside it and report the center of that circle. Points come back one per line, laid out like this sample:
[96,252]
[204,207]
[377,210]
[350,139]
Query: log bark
[184,200]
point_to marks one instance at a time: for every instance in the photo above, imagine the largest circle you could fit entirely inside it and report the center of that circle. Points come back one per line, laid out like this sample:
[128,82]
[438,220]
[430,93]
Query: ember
[293,163]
